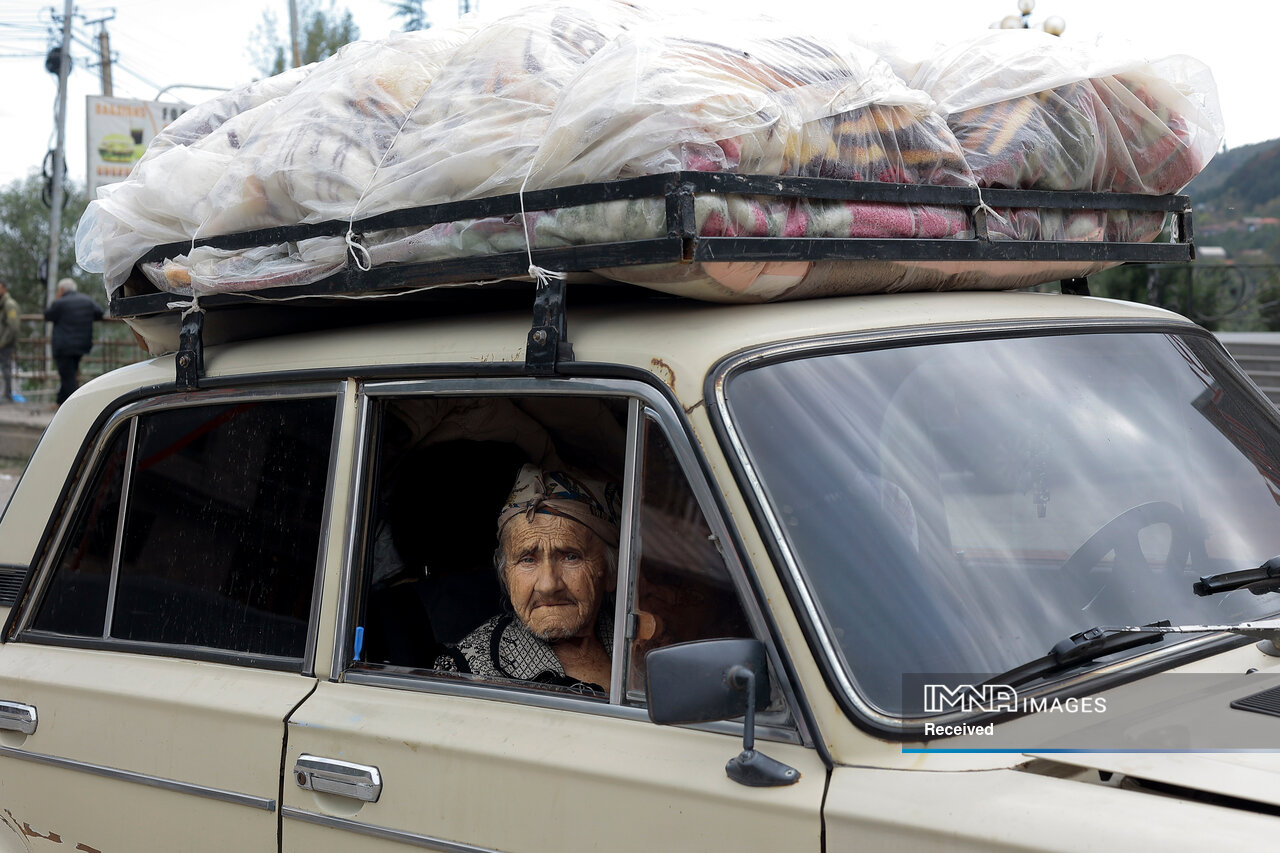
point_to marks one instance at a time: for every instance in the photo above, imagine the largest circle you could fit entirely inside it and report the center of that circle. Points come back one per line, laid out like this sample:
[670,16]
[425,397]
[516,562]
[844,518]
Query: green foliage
[24,242]
[411,13]
[1127,282]
[1255,184]
[1221,297]
[1221,168]
[322,30]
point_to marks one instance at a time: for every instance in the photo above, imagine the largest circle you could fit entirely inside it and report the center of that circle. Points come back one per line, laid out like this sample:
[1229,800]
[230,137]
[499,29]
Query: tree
[24,241]
[322,30]
[411,12]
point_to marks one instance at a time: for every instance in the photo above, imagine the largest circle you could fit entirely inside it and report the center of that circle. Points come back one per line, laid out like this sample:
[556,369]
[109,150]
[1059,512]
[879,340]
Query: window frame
[643,401]
[126,417]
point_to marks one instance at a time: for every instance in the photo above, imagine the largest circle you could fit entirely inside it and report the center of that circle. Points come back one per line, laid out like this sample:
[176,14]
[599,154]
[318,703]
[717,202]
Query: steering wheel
[1120,534]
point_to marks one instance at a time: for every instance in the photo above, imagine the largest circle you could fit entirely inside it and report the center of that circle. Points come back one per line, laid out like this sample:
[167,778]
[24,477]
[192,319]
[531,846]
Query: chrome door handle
[17,717]
[331,776]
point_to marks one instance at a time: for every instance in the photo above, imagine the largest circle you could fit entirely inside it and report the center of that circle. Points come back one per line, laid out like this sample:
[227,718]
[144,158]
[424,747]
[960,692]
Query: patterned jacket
[504,648]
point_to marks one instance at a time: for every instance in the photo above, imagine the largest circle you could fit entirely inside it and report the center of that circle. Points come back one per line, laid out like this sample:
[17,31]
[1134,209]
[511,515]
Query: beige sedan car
[891,572]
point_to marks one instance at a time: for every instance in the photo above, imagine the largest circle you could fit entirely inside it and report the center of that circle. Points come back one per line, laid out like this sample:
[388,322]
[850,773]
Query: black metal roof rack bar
[913,249]
[680,184]
[681,244]
[391,277]
[415,217]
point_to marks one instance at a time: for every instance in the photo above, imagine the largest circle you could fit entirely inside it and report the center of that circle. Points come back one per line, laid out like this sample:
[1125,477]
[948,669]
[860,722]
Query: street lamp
[1053,25]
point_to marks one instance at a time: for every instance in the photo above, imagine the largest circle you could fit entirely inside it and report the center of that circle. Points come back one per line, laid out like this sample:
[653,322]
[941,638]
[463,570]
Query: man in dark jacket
[72,315]
[9,333]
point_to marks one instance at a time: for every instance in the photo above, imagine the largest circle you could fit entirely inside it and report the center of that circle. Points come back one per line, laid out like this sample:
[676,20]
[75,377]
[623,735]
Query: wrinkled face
[555,574]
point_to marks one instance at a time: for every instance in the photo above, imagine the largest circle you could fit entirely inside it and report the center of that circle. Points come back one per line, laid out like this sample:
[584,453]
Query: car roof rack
[548,342]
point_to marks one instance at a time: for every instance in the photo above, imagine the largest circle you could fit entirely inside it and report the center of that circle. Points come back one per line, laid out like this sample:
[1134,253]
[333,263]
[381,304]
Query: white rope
[359,254]
[191,306]
[982,205]
[541,275]
[358,250]
[382,295]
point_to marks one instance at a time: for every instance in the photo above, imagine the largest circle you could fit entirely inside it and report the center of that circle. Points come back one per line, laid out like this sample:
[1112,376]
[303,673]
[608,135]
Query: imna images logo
[970,698]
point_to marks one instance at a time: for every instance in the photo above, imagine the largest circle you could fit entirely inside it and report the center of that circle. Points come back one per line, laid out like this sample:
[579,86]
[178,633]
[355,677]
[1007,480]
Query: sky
[160,44]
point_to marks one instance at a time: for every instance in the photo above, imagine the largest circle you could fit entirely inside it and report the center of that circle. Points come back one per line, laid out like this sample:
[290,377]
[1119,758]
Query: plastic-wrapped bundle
[422,118]
[744,100]
[479,123]
[300,147]
[556,95]
[1037,112]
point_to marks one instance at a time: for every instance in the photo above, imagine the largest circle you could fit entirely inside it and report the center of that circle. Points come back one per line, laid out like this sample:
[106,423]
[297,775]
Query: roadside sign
[118,131]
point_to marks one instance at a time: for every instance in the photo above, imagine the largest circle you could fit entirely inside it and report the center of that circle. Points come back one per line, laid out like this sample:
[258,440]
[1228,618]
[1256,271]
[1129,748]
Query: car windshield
[937,499]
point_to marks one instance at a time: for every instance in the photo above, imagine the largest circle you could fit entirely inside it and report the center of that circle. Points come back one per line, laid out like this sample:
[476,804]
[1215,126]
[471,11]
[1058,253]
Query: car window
[75,601]
[215,542]
[442,471]
[683,588]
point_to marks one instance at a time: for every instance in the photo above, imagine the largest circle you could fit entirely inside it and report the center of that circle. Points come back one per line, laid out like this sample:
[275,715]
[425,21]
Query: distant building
[1211,253]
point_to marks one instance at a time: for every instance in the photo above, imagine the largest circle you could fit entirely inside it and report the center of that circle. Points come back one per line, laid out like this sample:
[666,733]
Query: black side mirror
[717,680]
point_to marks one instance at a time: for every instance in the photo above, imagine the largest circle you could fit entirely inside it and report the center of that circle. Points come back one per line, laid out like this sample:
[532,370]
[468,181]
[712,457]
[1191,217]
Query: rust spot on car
[52,836]
[688,410]
[664,371]
[26,829]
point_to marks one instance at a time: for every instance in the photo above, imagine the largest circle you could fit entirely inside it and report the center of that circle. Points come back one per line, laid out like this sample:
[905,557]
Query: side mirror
[711,680]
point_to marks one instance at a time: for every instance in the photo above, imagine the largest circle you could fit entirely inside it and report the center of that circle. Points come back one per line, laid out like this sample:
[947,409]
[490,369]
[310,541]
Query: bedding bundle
[556,95]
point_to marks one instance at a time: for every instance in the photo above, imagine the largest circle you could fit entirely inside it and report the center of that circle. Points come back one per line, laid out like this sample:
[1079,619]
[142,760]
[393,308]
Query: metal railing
[37,375]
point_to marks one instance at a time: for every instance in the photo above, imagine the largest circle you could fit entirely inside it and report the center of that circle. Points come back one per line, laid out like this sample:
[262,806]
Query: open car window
[440,470]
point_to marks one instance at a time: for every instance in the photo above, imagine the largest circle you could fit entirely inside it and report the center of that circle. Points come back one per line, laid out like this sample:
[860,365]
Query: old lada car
[607,428]
[964,570]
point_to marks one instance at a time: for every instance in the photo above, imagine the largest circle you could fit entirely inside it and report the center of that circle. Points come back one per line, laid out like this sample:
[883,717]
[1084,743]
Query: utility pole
[104,54]
[59,153]
[293,33]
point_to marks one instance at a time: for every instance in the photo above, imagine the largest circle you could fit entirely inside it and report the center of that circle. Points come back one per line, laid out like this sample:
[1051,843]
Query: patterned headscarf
[592,503]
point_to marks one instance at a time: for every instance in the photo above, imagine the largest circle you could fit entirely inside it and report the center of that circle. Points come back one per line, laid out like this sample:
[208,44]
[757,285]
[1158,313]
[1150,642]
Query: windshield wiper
[1081,648]
[1267,630]
[1259,581]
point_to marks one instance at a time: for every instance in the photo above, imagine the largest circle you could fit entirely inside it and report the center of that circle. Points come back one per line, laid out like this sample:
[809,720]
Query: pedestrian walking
[72,314]
[9,330]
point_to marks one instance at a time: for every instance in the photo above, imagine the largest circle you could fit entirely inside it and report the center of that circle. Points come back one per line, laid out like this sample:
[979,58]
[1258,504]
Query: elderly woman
[557,559]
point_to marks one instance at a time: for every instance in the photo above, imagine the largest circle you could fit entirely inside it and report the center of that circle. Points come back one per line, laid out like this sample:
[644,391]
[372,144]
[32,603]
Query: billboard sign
[119,130]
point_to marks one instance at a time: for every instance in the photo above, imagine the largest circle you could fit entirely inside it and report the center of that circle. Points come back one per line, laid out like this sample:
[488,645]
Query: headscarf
[591,503]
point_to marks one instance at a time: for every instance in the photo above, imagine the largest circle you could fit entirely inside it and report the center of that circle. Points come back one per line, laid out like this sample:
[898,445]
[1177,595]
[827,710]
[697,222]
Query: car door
[169,629]
[392,752]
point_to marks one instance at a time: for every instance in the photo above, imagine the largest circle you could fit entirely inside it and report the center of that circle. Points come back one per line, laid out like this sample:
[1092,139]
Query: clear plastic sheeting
[557,95]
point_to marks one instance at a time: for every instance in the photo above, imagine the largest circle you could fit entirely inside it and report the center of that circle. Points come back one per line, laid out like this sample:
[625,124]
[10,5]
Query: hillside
[1244,181]
[1223,165]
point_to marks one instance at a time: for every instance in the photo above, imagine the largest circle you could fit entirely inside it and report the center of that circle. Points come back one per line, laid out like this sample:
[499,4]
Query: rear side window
[200,528]
[75,601]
